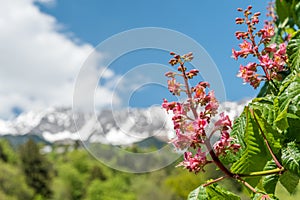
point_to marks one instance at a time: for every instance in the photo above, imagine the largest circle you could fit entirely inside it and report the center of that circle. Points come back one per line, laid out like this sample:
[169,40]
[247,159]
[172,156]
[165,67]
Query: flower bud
[256,14]
[170,74]
[239,20]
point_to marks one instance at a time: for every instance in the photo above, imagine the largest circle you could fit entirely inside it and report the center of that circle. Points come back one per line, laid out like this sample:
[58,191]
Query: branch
[214,181]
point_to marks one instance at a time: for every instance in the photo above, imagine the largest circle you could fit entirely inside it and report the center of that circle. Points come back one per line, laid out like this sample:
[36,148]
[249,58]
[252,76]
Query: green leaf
[291,158]
[216,192]
[289,99]
[289,181]
[272,135]
[267,107]
[288,10]
[269,182]
[211,192]
[198,194]
[293,52]
[239,129]
[254,157]
[281,121]
[282,10]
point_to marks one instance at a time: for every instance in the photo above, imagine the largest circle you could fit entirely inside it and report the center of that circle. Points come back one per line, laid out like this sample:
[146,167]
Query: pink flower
[199,91]
[174,87]
[196,163]
[213,104]
[240,34]
[224,144]
[235,54]
[279,62]
[271,48]
[170,74]
[267,31]
[182,141]
[248,74]
[265,61]
[188,57]
[168,105]
[224,121]
[192,73]
[246,48]
[239,20]
[282,49]
[199,125]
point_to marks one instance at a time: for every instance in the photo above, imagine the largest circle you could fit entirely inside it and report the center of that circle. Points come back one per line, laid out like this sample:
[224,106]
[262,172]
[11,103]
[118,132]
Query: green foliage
[288,12]
[183,182]
[269,182]
[7,153]
[291,158]
[13,184]
[198,194]
[254,157]
[213,192]
[293,50]
[73,181]
[36,168]
[289,181]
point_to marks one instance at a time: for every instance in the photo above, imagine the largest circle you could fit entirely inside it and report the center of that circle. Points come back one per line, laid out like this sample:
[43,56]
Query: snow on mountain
[118,127]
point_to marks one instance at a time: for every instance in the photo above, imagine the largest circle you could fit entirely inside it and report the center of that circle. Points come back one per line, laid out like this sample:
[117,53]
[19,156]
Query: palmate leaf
[255,156]
[238,129]
[198,194]
[212,192]
[293,51]
[267,107]
[289,181]
[290,161]
[269,182]
[274,138]
[291,158]
[289,100]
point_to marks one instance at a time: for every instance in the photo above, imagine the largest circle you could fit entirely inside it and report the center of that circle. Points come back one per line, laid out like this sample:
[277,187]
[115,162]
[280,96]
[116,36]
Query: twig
[214,181]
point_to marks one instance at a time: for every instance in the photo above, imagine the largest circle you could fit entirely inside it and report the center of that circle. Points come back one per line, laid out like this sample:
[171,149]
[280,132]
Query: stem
[266,141]
[214,181]
[188,91]
[247,185]
[216,159]
[263,173]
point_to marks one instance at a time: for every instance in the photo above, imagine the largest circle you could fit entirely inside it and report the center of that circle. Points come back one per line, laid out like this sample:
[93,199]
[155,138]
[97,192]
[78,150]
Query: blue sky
[210,23]
[62,33]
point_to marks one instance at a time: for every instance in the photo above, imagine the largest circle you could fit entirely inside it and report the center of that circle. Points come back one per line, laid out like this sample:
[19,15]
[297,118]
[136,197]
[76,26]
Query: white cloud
[38,64]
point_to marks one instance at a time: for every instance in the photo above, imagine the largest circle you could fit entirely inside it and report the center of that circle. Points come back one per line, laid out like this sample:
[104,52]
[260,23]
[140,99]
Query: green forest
[69,172]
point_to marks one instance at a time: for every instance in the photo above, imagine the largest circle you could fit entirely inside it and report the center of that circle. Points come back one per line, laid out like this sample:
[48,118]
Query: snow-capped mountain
[124,126]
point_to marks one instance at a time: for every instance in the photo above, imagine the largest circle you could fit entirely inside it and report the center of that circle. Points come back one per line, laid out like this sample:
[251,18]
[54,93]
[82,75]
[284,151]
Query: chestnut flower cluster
[271,57]
[192,117]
